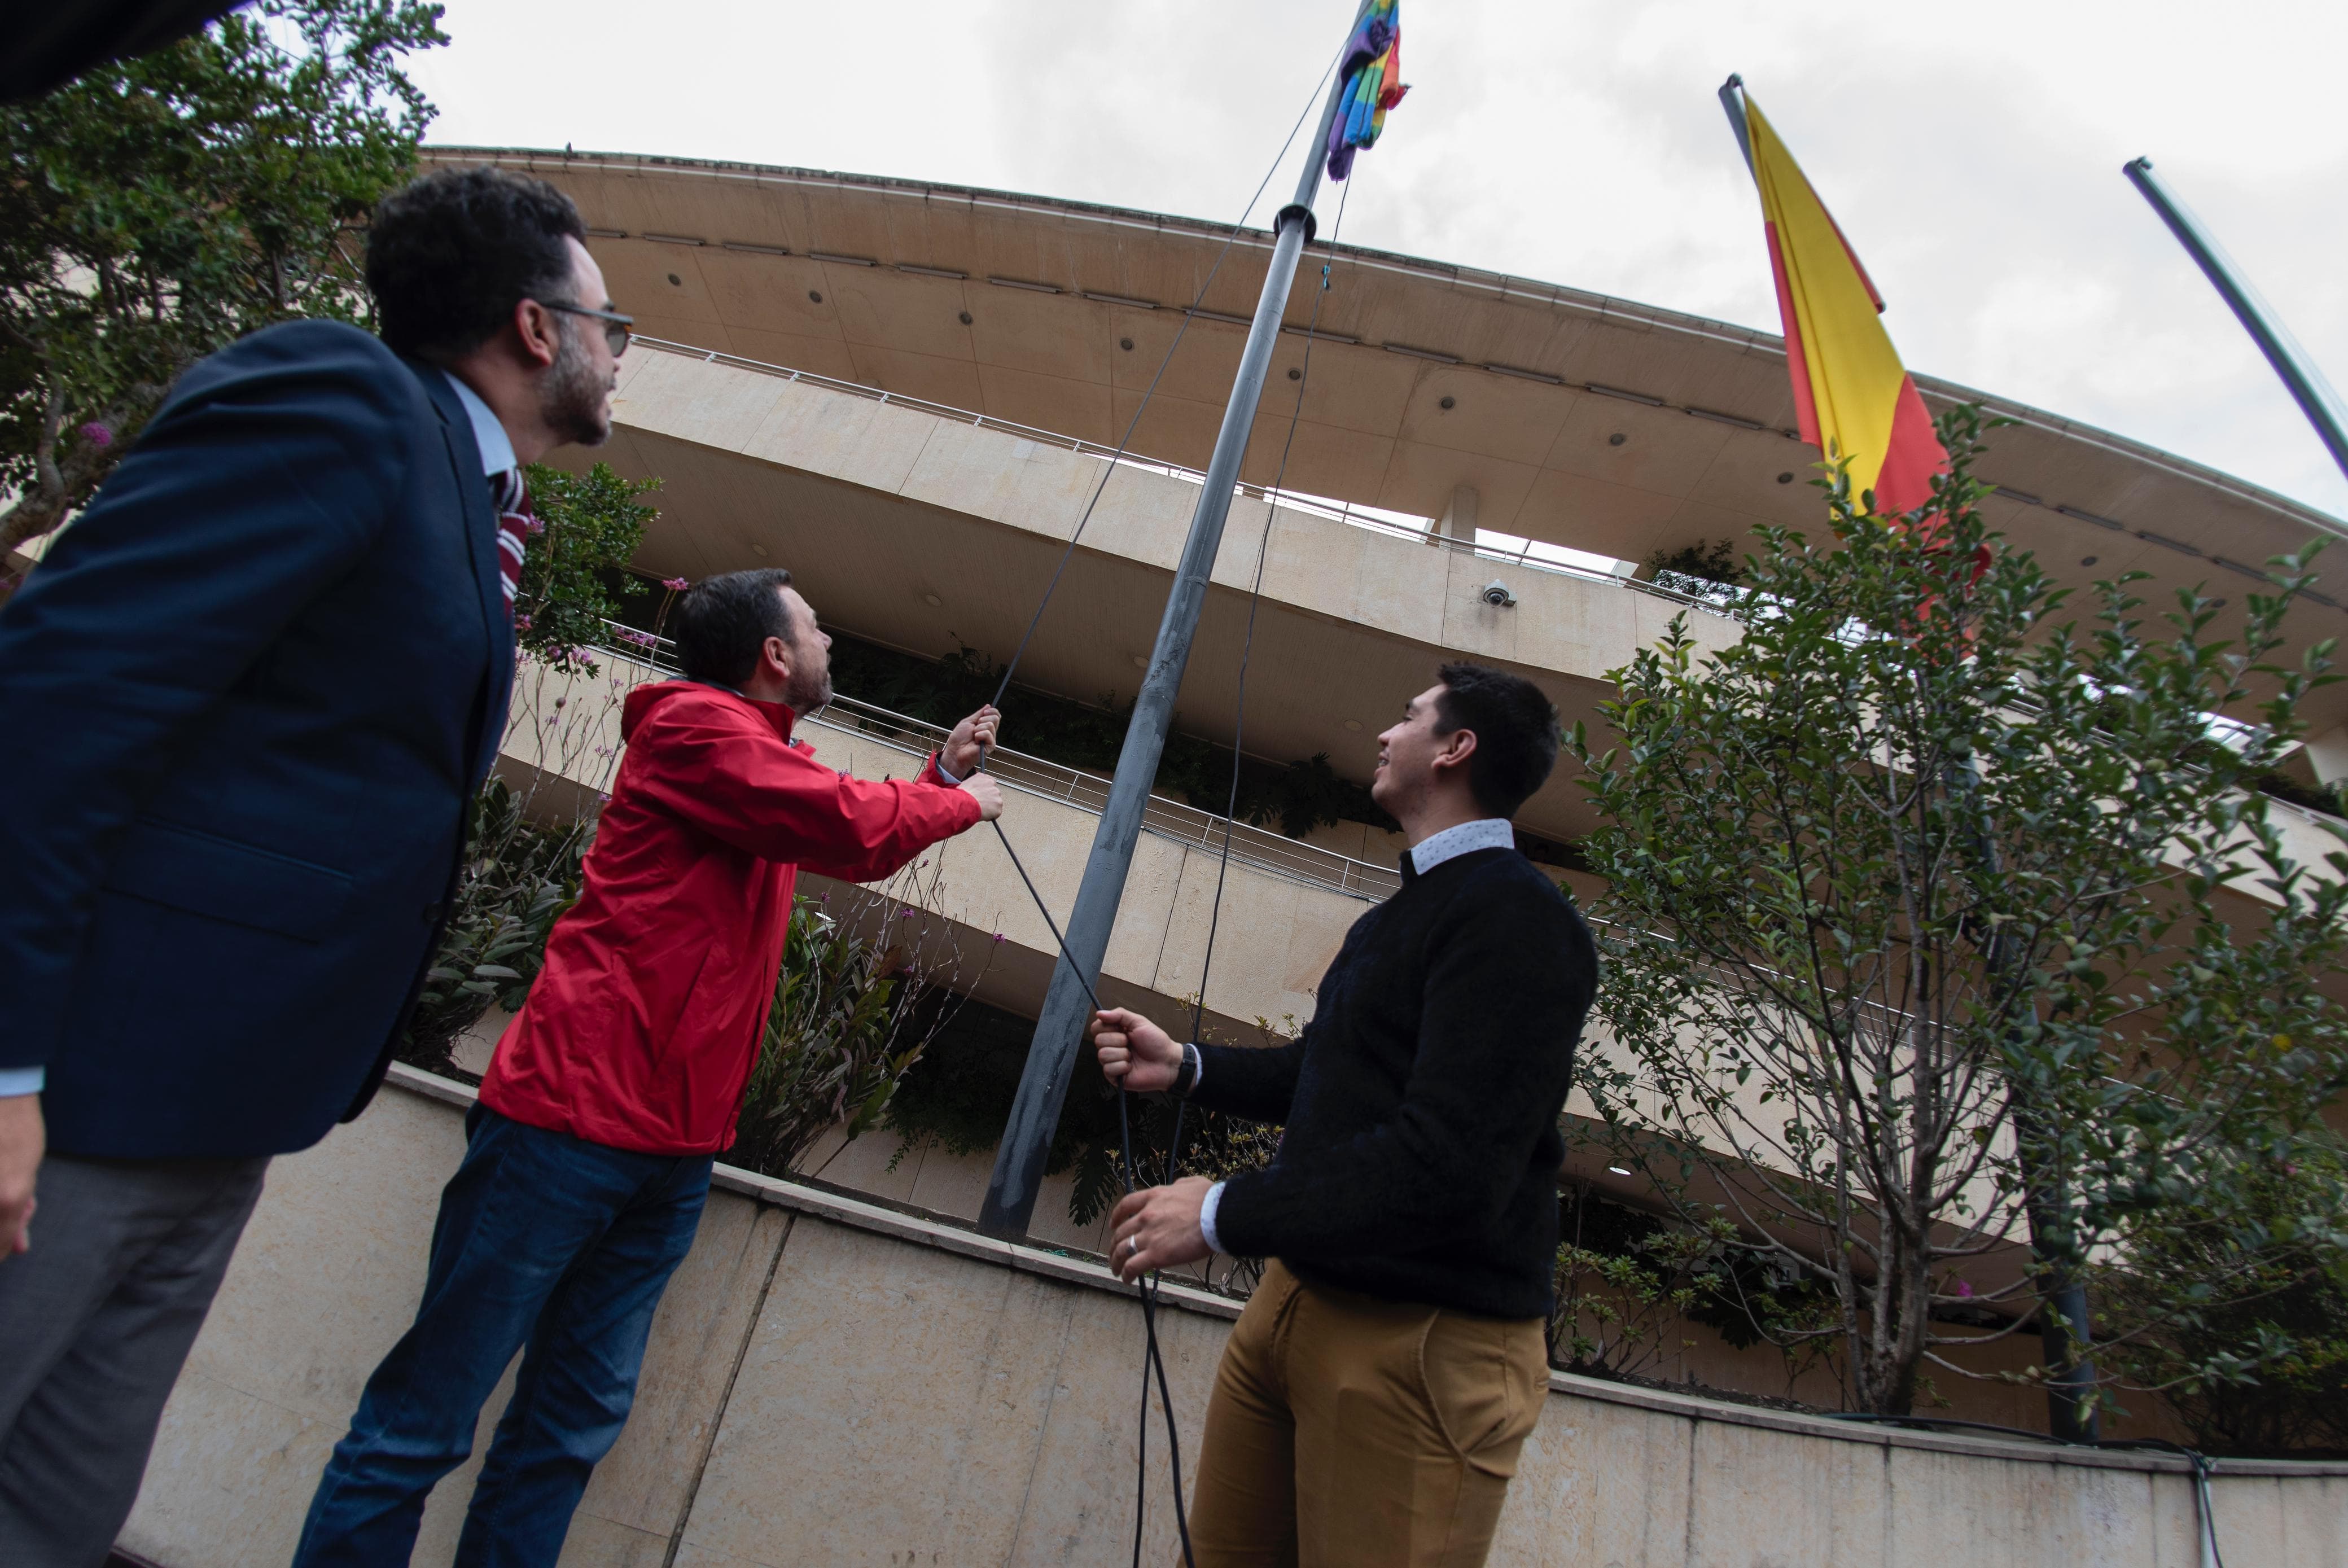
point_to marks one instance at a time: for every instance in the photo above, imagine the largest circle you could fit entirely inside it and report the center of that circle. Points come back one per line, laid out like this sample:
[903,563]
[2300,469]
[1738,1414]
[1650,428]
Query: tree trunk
[59,486]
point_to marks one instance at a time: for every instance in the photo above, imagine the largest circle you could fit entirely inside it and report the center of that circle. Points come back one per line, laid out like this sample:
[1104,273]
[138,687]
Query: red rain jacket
[641,1029]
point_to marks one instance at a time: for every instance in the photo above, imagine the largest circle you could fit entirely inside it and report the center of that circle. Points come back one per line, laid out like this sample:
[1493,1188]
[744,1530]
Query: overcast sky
[1972,153]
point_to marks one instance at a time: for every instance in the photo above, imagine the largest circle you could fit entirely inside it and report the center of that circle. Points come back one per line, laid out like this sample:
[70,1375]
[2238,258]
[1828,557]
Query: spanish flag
[1854,399]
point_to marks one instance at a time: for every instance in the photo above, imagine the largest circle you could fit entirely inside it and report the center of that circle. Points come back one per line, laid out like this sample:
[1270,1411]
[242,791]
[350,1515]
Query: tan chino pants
[1348,1432]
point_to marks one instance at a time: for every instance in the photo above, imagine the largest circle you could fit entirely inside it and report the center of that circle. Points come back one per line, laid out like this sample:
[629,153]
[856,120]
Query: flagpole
[2315,396]
[1019,1160]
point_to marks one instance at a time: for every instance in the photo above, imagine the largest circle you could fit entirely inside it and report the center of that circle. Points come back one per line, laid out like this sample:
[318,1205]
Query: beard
[576,400]
[809,691]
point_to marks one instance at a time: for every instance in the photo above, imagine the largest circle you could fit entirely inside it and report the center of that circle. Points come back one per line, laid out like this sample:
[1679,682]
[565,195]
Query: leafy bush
[517,878]
[2245,1334]
[2324,798]
[1625,1279]
[851,1017]
[591,524]
[1698,569]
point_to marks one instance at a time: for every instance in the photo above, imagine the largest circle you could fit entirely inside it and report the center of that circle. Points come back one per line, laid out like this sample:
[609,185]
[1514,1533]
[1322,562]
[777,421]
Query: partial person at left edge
[251,691]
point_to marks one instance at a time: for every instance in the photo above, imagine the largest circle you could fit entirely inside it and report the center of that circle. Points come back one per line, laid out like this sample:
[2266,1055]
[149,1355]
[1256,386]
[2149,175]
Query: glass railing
[1186,824]
[1528,554]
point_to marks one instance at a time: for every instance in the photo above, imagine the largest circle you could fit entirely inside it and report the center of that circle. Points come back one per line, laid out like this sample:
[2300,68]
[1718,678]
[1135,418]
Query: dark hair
[1516,732]
[723,622]
[451,255]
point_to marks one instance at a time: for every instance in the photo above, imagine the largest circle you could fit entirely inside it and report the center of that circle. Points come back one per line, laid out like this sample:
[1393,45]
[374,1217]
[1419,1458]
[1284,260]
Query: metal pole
[2062,1321]
[2316,398]
[1731,99]
[1051,1058]
[2064,1333]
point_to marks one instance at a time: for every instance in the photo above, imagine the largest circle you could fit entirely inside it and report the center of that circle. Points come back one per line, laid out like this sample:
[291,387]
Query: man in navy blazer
[249,694]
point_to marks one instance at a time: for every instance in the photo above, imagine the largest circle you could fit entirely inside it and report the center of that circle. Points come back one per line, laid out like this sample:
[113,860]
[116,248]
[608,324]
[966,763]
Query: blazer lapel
[481,523]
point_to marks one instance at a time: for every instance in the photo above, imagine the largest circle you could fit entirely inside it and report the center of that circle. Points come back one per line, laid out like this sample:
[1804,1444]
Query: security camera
[1496,593]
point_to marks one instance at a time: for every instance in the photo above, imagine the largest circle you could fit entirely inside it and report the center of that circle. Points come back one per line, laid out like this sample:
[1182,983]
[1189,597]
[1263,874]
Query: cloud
[1973,155]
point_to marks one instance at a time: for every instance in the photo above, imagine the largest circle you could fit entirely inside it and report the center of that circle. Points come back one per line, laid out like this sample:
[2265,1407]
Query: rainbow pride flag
[1371,71]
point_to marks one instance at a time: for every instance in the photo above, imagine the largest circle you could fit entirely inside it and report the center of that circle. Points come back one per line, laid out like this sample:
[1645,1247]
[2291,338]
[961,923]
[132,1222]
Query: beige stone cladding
[832,1383]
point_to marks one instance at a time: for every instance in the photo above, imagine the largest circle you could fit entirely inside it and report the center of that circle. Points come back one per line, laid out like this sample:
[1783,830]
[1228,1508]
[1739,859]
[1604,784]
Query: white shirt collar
[1484,834]
[497,447]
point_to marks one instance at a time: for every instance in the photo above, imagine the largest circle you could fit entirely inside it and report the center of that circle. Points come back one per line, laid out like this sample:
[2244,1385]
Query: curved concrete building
[1463,400]
[911,395]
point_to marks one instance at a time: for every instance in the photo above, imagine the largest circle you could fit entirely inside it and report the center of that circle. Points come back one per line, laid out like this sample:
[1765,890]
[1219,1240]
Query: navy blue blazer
[247,698]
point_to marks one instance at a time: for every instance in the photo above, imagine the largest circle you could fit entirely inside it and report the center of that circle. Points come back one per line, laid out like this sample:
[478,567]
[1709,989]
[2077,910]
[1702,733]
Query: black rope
[1247,651]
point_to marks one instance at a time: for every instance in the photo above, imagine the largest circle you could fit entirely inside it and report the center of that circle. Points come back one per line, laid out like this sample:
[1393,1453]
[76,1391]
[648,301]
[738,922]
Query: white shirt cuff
[16,1081]
[1207,1216]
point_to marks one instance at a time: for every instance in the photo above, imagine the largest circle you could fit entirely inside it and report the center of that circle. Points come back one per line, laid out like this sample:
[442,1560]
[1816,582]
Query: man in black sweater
[1374,1395]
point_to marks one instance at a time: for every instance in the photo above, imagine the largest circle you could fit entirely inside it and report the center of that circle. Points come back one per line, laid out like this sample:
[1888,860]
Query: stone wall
[832,1382]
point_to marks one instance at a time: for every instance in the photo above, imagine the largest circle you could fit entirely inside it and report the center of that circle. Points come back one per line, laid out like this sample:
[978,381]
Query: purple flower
[532,527]
[998,936]
[97,434]
[1964,1288]
[904,914]
[521,623]
[676,584]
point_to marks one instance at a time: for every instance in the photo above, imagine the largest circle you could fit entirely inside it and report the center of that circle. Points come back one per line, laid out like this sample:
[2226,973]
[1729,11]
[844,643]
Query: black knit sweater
[1421,1156]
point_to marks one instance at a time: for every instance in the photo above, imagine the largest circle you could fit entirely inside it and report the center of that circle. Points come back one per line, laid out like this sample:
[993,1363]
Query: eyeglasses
[615,325]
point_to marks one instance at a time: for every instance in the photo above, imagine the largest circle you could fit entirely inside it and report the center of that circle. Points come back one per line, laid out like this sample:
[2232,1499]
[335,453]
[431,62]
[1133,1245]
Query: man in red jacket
[589,1155]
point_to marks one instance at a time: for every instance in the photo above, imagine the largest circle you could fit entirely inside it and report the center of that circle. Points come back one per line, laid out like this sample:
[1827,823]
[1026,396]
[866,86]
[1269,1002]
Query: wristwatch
[1187,1074]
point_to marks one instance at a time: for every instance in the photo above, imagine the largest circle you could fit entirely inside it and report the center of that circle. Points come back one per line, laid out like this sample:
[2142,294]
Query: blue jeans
[547,1242]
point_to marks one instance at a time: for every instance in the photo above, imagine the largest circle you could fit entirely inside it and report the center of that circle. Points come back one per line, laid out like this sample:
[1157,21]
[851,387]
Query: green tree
[1929,947]
[2242,1329]
[517,877]
[158,209]
[591,522]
